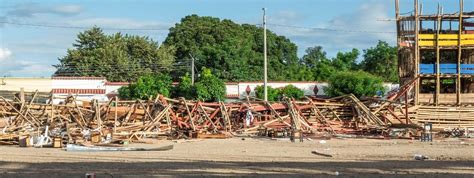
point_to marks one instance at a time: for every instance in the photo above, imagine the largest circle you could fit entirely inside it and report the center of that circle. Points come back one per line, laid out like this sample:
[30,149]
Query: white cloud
[25,68]
[5,53]
[285,17]
[35,69]
[28,10]
[67,9]
[121,23]
[363,18]
[11,66]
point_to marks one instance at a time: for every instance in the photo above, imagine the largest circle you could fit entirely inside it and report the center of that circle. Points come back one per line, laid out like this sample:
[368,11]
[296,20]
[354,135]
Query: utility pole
[265,93]
[192,69]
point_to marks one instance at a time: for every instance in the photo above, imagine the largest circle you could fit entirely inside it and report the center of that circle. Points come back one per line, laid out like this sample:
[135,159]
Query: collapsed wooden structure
[74,121]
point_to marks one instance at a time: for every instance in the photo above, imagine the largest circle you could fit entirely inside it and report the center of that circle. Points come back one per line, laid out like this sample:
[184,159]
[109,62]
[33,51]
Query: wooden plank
[432,43]
[453,37]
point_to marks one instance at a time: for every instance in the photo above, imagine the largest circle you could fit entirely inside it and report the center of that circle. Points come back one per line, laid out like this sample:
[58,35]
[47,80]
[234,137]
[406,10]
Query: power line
[120,65]
[115,71]
[112,69]
[80,27]
[332,30]
[160,29]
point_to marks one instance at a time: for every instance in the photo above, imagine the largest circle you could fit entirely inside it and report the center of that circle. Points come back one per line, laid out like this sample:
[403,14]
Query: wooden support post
[458,81]
[22,95]
[417,54]
[97,114]
[438,85]
[406,108]
[115,114]
[52,108]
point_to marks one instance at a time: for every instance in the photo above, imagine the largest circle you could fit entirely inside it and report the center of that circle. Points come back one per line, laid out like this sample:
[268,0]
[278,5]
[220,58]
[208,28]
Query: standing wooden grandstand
[439,50]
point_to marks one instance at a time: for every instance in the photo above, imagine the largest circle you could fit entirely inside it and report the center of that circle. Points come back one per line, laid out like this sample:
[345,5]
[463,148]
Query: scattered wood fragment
[316,152]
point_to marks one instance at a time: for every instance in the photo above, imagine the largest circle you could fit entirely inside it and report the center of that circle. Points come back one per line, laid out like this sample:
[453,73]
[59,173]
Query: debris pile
[118,121]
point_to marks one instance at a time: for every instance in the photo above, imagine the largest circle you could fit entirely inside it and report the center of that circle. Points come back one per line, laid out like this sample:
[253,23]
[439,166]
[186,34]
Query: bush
[292,92]
[209,87]
[358,83]
[147,86]
[185,88]
[275,94]
[124,92]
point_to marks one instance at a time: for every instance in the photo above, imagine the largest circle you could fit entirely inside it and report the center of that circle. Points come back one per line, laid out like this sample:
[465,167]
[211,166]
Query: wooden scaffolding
[438,51]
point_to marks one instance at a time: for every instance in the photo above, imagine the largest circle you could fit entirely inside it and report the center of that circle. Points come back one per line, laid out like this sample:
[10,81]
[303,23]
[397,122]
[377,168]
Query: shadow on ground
[386,168]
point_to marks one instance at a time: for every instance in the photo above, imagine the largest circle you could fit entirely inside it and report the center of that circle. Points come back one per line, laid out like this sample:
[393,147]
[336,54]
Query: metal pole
[192,69]
[397,17]
[265,94]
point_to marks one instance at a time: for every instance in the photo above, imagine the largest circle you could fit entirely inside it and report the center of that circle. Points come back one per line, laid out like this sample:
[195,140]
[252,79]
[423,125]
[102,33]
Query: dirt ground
[251,157]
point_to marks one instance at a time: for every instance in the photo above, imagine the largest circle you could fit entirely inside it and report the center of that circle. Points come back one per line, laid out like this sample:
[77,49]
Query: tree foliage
[314,56]
[358,83]
[232,51]
[382,61]
[322,68]
[147,86]
[275,94]
[185,88]
[117,57]
[272,95]
[345,61]
[292,92]
[209,87]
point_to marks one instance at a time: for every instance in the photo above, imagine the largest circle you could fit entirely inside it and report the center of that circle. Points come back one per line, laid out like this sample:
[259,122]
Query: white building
[239,90]
[28,84]
[83,88]
[89,88]
[111,88]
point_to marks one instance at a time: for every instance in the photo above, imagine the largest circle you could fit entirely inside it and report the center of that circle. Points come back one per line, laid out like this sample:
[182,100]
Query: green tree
[345,61]
[209,87]
[319,66]
[147,86]
[324,70]
[382,61]
[314,56]
[233,52]
[117,57]
[358,83]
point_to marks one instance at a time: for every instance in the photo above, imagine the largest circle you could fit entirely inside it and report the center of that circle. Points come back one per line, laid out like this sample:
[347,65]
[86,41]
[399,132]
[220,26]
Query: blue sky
[30,51]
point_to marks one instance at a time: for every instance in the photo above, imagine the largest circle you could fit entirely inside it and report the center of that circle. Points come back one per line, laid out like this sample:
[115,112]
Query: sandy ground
[250,157]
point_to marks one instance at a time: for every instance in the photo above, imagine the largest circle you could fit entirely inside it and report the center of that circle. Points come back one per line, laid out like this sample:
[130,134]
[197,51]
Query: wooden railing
[445,39]
[446,69]
[446,98]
